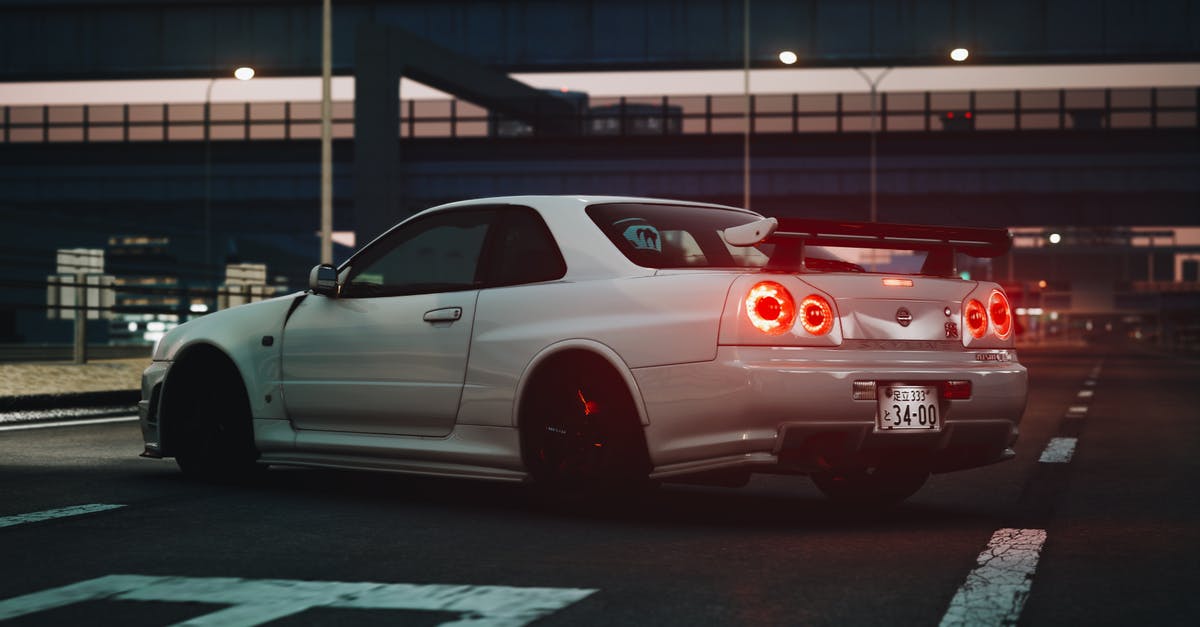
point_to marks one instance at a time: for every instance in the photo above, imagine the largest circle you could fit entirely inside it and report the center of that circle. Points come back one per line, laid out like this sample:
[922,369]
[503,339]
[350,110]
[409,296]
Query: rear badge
[904,317]
[951,330]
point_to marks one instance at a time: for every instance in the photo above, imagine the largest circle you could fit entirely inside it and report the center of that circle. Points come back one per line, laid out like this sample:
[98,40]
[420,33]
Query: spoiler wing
[976,242]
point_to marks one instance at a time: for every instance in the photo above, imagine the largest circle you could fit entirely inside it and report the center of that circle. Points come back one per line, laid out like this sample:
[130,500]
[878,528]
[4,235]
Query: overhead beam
[97,39]
[384,54]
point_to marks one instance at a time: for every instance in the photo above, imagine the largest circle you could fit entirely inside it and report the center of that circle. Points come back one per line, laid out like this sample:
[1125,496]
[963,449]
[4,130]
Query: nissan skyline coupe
[587,341]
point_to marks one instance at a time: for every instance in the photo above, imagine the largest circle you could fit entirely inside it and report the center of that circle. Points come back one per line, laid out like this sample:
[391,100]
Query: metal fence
[1022,110]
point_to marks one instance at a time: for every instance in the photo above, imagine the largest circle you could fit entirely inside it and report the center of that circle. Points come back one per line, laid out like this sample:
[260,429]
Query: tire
[871,486]
[215,433]
[580,429]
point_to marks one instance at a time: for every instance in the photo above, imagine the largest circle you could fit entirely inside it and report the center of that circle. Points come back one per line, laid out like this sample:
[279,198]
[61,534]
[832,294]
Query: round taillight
[816,316]
[770,308]
[1001,314]
[975,317]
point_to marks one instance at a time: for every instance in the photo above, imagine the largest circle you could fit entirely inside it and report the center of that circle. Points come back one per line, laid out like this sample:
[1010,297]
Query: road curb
[33,402]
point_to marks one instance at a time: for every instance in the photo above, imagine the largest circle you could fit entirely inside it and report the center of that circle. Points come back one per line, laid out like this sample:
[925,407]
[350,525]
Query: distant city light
[1055,238]
[966,276]
[156,327]
[244,73]
[787,57]
[132,327]
[959,54]
[198,308]
[1042,284]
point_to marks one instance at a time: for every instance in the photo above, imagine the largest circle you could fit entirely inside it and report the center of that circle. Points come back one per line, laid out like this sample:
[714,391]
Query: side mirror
[323,280]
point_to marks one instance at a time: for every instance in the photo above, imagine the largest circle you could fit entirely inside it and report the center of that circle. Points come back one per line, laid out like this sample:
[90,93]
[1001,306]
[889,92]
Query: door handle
[445,314]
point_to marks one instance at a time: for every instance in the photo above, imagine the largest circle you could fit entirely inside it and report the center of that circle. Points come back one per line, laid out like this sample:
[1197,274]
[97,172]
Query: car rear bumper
[777,409]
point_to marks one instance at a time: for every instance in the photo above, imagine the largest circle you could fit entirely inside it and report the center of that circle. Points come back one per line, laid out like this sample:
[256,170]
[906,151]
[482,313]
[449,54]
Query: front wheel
[216,435]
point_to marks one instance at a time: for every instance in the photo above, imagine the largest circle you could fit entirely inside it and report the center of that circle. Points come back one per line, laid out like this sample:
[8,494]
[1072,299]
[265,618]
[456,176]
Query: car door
[389,354]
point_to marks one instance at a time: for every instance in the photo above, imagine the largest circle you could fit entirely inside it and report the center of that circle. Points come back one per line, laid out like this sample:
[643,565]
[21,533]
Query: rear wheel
[871,485]
[579,428]
[214,434]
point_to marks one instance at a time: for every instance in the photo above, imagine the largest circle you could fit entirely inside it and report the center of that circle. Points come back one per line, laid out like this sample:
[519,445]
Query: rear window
[674,236]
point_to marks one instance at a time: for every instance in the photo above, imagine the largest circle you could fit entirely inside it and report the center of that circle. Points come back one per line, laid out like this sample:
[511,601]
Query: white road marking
[1090,382]
[1059,451]
[62,512]
[1077,410]
[1086,393]
[65,413]
[995,591]
[68,423]
[257,601]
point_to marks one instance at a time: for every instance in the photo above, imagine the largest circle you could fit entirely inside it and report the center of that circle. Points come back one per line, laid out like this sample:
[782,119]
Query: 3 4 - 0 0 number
[913,415]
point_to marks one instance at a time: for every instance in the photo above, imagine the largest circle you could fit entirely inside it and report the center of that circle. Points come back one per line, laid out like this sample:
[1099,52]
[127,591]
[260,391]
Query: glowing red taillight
[975,318]
[770,308]
[1000,313]
[816,316]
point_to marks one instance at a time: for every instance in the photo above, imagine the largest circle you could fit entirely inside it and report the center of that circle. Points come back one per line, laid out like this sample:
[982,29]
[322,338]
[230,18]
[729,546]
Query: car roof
[588,252]
[574,200]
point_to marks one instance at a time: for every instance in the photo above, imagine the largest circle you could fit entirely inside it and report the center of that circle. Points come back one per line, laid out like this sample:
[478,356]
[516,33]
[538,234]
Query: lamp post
[874,83]
[746,104]
[326,133]
[243,73]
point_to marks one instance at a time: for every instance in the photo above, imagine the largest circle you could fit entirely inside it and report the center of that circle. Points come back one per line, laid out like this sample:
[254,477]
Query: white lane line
[62,512]
[995,591]
[1077,410]
[257,601]
[1090,383]
[1059,451]
[1086,393]
[68,423]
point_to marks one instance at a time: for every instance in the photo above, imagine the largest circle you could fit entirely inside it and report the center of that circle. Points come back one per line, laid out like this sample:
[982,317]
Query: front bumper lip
[148,408]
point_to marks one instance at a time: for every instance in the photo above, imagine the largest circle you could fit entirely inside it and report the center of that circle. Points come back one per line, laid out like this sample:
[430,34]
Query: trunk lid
[929,309]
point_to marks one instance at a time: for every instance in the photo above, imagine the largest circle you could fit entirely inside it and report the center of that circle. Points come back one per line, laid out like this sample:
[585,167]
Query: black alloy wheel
[581,429]
[216,434]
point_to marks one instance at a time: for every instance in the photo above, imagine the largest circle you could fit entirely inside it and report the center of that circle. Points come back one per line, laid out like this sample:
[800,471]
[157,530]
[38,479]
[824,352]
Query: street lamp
[243,73]
[787,57]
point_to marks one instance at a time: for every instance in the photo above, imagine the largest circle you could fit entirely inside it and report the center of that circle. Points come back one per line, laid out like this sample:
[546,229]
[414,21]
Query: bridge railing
[1022,110]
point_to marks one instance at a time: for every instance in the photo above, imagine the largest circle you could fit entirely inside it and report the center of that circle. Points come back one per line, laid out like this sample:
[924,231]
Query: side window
[439,253]
[524,251]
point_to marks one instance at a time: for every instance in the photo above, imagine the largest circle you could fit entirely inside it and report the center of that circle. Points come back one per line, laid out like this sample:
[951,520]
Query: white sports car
[608,340]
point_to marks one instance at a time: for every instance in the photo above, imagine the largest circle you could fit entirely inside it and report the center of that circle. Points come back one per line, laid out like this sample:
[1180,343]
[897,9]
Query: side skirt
[470,451]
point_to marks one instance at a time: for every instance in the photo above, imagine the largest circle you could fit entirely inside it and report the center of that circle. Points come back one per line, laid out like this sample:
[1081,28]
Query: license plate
[908,408]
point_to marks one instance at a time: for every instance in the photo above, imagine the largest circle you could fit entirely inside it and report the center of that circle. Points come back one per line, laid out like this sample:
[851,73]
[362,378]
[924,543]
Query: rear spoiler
[942,242]
[975,242]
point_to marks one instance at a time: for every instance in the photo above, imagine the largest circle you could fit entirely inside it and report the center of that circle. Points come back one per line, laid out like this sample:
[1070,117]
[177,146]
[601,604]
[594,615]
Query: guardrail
[1021,110]
[135,313]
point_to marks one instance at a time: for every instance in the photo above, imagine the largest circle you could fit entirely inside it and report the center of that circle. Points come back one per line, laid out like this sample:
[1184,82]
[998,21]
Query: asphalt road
[1110,537]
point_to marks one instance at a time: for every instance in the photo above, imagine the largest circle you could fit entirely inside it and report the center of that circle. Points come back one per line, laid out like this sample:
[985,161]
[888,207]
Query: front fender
[251,336]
